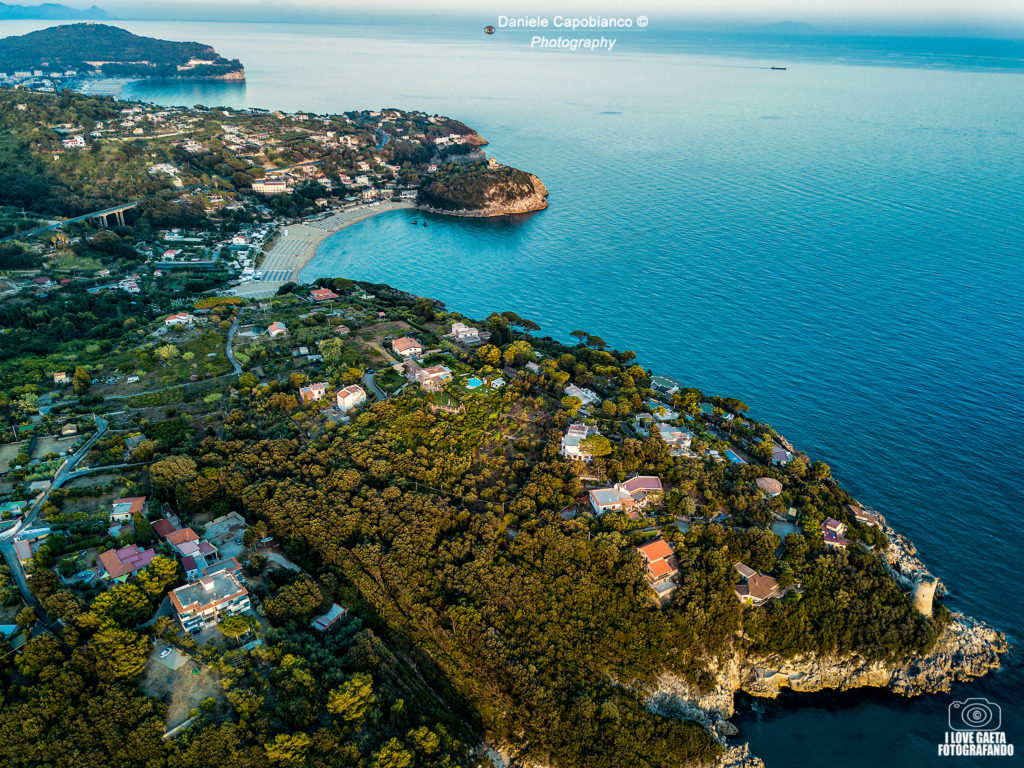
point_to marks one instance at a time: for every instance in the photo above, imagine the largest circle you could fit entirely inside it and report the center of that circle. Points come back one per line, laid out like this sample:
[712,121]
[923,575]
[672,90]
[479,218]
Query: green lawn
[70,261]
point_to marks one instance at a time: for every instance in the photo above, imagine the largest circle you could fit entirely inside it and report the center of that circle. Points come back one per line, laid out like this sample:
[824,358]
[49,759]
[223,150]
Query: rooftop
[124,561]
[639,483]
[656,550]
[215,587]
[177,538]
[404,344]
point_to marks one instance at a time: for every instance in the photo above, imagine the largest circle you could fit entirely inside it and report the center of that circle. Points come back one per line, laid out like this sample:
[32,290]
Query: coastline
[291,252]
[968,648]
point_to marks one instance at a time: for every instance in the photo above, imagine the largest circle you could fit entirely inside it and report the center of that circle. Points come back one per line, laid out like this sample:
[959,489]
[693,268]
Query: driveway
[371,384]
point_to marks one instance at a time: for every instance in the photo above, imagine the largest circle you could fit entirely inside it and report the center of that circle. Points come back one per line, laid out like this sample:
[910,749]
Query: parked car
[165,653]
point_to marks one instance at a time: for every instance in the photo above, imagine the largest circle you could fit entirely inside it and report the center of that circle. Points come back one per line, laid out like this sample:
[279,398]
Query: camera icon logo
[975,715]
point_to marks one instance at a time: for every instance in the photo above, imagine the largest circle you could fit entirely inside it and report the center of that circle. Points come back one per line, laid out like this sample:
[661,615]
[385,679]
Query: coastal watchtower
[924,592]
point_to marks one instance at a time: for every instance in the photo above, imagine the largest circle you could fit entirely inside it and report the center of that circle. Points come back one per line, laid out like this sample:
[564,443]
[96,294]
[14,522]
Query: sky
[830,14]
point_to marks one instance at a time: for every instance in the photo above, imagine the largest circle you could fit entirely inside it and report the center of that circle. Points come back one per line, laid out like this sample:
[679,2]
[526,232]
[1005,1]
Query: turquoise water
[839,245]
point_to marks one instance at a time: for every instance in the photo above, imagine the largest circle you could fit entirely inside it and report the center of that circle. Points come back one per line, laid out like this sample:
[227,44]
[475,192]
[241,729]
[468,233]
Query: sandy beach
[296,244]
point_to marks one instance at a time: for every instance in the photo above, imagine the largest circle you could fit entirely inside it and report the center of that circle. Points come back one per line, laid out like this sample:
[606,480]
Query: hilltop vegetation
[481,187]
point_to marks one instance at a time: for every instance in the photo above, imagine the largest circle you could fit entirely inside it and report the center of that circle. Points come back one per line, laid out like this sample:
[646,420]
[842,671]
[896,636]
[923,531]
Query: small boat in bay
[779,69]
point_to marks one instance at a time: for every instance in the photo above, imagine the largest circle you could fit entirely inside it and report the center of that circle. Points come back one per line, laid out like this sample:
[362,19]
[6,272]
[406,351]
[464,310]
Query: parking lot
[225,534]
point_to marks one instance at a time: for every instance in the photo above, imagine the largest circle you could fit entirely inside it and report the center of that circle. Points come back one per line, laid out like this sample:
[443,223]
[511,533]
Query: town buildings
[121,564]
[122,510]
[584,395]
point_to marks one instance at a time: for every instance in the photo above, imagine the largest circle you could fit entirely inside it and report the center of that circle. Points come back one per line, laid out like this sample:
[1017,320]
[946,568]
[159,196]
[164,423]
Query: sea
[840,244]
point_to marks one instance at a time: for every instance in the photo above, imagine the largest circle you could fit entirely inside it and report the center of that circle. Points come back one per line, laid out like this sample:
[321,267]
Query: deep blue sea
[841,245]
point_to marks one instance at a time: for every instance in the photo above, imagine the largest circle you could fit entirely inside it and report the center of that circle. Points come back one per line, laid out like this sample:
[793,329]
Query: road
[76,219]
[371,384]
[182,384]
[228,349]
[7,545]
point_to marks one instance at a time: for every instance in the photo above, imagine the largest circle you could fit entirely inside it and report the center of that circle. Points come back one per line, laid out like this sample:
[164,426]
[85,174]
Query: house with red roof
[864,517]
[755,588]
[660,567]
[180,318]
[432,379]
[122,564]
[163,527]
[832,532]
[208,599]
[322,294]
[407,347]
[349,397]
[176,538]
[191,568]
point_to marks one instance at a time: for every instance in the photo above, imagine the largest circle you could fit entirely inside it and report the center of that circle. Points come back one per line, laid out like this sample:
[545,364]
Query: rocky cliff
[966,649]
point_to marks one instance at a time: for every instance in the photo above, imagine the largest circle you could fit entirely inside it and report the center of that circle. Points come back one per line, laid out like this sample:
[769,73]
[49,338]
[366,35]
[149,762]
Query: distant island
[104,50]
[482,189]
[51,11]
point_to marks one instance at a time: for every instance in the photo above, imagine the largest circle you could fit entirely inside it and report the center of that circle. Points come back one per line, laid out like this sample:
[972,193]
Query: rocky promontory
[966,648]
[481,190]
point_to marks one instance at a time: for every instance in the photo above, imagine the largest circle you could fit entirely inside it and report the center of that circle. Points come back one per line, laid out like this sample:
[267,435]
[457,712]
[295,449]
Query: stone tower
[924,592]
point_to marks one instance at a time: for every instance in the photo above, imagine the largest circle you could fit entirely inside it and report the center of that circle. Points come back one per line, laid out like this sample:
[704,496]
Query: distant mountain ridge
[52,11]
[115,52]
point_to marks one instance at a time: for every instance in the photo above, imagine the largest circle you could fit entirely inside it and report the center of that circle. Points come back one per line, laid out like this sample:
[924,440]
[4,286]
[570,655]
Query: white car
[165,653]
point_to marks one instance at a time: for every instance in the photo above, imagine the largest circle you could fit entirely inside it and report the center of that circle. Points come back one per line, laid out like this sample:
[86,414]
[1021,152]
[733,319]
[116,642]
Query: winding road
[65,473]
[229,350]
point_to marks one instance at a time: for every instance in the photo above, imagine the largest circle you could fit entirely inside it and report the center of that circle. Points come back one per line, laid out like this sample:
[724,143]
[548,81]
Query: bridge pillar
[120,218]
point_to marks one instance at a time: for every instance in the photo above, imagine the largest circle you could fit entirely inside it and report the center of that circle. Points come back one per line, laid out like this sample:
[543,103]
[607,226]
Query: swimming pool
[734,458]
[473,383]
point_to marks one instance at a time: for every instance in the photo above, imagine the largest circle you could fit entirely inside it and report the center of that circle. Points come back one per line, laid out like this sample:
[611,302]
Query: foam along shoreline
[296,245]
